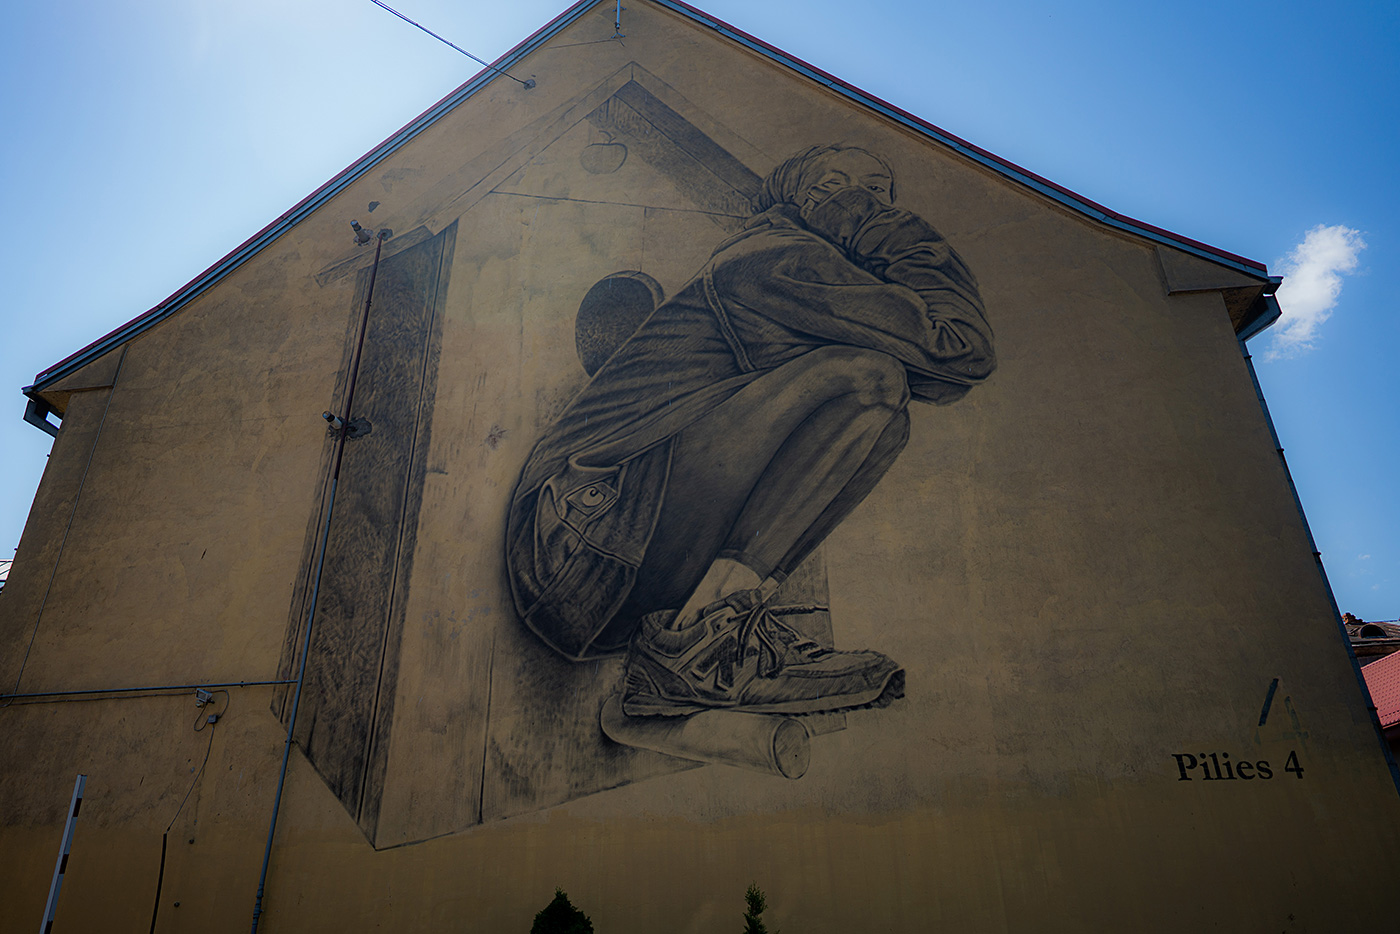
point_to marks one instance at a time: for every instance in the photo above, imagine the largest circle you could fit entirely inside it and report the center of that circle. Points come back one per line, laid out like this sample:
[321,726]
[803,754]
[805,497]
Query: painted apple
[603,158]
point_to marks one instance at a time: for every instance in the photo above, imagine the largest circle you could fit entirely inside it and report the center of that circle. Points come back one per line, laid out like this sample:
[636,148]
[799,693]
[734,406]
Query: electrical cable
[197,776]
[155,690]
[204,716]
[526,84]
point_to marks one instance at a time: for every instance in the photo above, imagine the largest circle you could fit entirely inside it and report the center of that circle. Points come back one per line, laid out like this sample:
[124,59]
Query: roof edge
[1002,166]
[303,208]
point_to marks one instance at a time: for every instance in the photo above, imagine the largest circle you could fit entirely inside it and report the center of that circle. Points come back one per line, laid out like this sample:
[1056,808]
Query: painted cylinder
[760,742]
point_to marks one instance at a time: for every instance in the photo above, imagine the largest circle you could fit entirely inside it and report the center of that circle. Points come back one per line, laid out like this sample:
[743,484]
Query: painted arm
[907,294]
[900,247]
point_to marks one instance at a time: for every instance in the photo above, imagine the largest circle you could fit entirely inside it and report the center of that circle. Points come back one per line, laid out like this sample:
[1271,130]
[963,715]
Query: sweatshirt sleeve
[895,286]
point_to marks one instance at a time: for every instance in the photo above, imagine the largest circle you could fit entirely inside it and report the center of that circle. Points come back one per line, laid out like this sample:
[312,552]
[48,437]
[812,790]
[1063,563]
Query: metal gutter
[1272,313]
[36,413]
[365,163]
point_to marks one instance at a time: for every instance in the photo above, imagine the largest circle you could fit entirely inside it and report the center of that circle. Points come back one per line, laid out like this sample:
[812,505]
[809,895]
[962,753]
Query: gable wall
[1089,564]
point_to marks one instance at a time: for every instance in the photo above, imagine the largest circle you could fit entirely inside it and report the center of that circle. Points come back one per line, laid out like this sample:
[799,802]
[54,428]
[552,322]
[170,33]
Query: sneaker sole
[882,695]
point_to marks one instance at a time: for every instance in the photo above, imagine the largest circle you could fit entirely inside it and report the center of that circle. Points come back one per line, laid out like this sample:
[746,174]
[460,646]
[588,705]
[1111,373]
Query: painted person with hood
[727,437]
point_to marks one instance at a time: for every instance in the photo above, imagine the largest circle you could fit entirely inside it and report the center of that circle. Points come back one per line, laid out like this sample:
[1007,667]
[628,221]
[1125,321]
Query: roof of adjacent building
[365,163]
[1363,629]
[1383,681]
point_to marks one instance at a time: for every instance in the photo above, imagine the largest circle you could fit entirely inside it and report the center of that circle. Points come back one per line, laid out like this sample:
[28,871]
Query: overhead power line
[527,83]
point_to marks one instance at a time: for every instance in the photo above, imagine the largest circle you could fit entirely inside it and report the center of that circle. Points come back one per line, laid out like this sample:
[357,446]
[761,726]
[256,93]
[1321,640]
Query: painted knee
[868,378]
[879,380]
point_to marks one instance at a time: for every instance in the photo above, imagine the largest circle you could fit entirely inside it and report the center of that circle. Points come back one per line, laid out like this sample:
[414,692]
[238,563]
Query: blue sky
[143,142]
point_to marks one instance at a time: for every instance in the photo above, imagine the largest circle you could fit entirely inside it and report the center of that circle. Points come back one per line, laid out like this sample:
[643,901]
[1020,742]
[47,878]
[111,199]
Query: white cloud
[1312,281]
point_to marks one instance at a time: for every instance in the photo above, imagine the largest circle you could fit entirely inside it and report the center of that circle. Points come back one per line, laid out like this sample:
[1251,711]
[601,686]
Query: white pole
[60,867]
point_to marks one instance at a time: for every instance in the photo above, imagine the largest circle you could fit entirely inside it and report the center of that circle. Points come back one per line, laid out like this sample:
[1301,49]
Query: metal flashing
[36,413]
[1272,312]
[365,163]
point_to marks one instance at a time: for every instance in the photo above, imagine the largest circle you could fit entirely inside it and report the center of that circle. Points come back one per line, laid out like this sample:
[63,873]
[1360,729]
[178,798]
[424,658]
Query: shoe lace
[774,640]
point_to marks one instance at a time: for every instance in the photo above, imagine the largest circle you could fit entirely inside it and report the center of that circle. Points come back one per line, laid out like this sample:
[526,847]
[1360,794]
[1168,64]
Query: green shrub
[561,917]
[756,903]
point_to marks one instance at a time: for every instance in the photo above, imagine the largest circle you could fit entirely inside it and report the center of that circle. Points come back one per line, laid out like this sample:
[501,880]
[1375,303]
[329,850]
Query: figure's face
[849,168]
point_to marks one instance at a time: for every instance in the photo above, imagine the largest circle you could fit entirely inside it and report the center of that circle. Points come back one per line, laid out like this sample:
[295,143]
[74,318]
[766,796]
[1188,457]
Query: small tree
[753,898]
[561,917]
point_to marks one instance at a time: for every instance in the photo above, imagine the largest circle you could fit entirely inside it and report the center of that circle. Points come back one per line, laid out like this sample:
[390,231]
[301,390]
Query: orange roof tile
[1383,681]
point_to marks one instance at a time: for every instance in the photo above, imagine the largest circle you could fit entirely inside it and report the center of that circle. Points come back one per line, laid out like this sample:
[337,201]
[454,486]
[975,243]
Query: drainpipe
[341,426]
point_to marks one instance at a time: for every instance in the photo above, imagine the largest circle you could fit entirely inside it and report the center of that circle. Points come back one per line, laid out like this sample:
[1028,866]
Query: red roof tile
[1383,681]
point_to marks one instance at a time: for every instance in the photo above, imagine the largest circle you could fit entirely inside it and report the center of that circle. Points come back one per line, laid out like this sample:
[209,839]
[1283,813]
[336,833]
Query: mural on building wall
[663,538]
[724,439]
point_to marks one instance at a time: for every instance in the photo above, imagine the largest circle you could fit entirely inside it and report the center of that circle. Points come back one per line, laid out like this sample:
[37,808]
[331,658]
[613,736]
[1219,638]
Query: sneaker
[739,656]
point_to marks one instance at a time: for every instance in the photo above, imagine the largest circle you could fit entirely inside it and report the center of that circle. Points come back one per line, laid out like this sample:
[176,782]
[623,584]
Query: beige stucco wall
[1091,563]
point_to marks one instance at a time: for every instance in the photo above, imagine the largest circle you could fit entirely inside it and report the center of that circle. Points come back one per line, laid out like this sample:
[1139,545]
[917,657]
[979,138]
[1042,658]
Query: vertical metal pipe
[316,587]
[355,361]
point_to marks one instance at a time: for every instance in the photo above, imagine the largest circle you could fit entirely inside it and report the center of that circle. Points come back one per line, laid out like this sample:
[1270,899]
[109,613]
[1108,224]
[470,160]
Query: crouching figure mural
[734,429]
